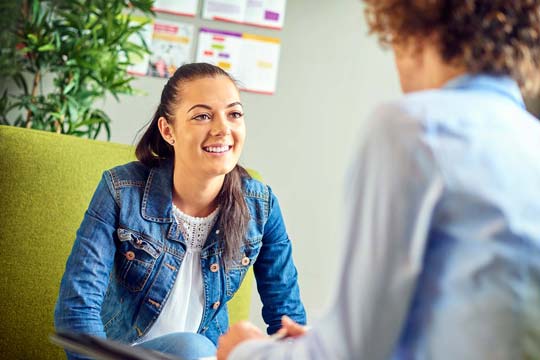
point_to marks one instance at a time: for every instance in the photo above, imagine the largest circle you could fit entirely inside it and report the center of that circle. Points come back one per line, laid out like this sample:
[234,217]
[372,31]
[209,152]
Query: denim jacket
[128,251]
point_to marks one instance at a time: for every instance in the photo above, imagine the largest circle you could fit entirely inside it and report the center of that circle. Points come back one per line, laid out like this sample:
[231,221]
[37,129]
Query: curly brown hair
[500,37]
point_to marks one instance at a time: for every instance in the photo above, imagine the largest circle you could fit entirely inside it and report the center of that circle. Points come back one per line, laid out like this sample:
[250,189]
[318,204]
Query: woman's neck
[422,67]
[196,196]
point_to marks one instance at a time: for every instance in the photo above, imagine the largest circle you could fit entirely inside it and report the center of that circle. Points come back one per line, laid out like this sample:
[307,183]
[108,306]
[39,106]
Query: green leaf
[78,133]
[72,84]
[88,122]
[33,38]
[41,13]
[35,10]
[47,47]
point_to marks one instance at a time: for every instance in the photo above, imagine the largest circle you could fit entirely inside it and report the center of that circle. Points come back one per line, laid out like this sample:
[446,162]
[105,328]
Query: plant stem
[58,125]
[37,80]
[24,9]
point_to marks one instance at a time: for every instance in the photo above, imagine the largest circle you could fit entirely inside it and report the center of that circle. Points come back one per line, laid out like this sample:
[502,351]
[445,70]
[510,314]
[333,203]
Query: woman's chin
[221,171]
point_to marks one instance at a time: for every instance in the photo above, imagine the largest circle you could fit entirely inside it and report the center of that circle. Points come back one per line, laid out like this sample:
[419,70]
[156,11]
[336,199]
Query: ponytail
[234,216]
[152,148]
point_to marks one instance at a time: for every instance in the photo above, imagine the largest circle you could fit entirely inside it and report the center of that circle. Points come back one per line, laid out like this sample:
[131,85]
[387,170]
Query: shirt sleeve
[394,186]
[276,274]
[86,276]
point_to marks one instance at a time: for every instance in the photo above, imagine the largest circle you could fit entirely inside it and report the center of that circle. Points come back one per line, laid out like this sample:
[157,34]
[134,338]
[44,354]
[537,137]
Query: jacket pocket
[238,267]
[136,258]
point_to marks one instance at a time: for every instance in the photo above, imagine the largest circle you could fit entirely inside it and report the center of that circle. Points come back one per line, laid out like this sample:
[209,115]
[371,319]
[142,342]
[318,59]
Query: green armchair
[46,183]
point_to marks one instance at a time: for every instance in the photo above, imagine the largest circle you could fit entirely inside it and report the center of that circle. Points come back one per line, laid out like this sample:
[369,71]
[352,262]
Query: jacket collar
[157,202]
[157,199]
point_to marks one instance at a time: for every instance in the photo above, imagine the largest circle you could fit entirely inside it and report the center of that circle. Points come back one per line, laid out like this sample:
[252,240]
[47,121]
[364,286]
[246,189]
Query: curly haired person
[443,231]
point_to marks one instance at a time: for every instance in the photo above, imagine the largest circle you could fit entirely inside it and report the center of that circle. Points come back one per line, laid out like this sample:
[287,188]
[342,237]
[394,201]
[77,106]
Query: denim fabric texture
[183,345]
[128,251]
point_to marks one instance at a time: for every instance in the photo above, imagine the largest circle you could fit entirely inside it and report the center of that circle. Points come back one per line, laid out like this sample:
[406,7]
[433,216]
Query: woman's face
[208,127]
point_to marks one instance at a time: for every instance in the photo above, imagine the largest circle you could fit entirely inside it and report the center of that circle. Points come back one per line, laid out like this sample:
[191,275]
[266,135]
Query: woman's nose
[220,126]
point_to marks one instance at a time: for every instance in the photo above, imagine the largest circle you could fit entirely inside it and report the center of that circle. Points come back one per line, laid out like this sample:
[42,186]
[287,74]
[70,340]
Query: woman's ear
[166,130]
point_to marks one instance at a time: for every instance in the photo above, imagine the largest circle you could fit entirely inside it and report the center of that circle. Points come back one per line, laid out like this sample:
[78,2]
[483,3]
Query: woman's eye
[202,117]
[237,114]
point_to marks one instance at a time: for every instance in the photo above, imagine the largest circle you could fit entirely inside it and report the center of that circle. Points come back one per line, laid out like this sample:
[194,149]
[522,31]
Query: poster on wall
[176,7]
[139,64]
[250,59]
[263,13]
[170,48]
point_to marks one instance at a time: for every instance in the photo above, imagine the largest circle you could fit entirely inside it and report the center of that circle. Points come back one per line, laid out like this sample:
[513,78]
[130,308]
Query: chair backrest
[46,183]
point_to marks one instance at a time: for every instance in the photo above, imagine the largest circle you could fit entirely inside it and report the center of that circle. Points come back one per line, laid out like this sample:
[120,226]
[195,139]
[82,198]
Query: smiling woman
[167,240]
[200,113]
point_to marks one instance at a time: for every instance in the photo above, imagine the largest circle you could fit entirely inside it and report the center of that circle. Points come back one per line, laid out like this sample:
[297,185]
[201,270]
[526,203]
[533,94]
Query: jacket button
[245,261]
[130,255]
[216,305]
[217,231]
[214,267]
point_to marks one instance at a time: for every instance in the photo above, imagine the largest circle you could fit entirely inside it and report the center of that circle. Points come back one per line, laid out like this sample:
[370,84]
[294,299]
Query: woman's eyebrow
[210,108]
[234,104]
[199,105]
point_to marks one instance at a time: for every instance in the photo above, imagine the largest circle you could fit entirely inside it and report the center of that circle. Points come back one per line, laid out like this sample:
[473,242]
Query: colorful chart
[251,59]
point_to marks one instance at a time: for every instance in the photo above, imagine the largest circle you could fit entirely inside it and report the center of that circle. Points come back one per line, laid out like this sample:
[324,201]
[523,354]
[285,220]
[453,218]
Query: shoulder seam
[114,187]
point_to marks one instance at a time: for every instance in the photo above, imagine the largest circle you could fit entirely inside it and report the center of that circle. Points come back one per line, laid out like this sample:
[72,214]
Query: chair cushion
[46,183]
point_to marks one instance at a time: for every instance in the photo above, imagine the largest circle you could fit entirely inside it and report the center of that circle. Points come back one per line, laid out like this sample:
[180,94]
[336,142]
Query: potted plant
[62,56]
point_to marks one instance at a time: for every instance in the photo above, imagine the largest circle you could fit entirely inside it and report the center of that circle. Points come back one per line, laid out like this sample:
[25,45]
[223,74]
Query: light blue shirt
[442,257]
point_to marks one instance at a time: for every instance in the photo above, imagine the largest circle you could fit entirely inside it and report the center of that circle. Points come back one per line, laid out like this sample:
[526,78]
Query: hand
[290,328]
[238,333]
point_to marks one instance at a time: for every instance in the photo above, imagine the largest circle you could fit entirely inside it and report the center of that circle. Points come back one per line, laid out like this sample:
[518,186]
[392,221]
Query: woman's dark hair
[152,150]
[499,37]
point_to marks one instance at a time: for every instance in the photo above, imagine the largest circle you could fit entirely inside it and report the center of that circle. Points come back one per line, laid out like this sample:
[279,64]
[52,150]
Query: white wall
[331,74]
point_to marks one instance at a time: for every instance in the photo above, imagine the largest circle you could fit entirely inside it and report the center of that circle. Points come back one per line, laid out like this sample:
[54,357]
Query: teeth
[217,149]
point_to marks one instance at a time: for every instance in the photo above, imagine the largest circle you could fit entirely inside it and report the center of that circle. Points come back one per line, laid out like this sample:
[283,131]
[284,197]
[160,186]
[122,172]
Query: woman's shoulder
[256,189]
[421,111]
[133,171]
[415,106]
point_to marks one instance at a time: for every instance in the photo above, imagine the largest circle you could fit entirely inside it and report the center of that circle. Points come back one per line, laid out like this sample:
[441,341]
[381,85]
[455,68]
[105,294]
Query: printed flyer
[262,13]
[251,59]
[176,7]
[171,48]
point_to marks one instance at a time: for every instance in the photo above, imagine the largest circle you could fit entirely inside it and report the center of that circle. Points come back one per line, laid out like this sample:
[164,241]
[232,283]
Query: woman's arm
[88,267]
[276,274]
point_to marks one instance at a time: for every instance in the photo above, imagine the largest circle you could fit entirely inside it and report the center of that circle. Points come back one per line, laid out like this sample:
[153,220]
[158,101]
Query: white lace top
[183,310]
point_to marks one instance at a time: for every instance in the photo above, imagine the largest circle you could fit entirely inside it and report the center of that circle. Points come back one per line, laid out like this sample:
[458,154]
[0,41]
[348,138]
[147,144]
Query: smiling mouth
[217,149]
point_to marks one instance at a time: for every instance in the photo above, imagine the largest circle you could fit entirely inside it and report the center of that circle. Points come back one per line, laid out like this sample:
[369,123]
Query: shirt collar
[503,85]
